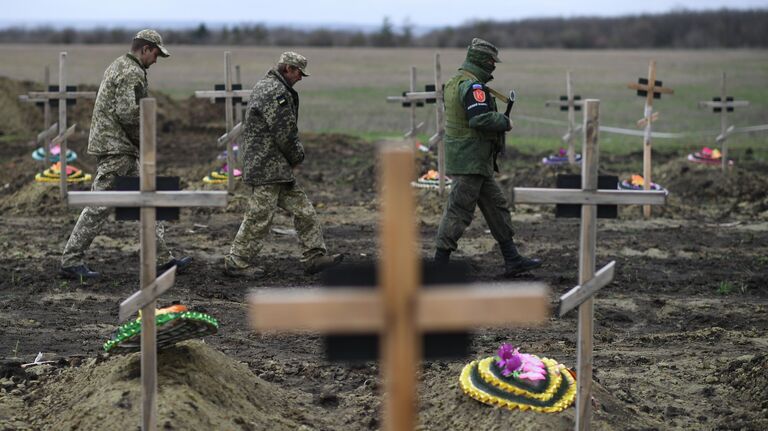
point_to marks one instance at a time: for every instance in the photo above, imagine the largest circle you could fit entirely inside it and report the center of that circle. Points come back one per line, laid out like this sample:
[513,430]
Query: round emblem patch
[479,95]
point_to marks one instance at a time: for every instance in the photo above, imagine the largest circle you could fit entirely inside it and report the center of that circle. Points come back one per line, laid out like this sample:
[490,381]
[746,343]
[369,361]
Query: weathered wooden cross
[433,94]
[589,197]
[651,89]
[230,96]
[571,103]
[44,138]
[239,107]
[62,96]
[398,309]
[723,105]
[148,199]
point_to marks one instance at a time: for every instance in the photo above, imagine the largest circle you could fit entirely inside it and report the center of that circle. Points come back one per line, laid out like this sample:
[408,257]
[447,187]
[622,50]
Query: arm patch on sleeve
[476,101]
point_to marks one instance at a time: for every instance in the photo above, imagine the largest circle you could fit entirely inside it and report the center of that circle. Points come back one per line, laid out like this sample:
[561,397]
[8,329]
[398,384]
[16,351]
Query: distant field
[347,88]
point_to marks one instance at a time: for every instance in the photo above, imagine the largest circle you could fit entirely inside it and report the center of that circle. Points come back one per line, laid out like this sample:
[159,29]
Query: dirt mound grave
[199,388]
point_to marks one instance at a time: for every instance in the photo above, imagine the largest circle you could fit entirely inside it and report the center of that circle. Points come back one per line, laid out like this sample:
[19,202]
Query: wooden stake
[148,269]
[400,276]
[239,107]
[63,126]
[47,118]
[587,264]
[647,136]
[229,120]
[724,124]
[571,118]
[412,132]
[440,123]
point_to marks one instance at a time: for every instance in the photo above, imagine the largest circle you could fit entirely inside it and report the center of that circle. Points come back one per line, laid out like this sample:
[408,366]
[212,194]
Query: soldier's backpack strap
[498,95]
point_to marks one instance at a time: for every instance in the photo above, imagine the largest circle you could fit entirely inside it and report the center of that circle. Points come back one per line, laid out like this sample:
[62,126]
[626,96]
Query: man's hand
[511,125]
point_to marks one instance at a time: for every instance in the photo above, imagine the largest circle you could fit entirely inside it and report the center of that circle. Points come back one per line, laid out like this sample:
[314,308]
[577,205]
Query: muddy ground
[681,334]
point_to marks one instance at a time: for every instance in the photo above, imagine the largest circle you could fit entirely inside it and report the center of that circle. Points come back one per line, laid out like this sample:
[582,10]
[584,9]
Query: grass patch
[725,288]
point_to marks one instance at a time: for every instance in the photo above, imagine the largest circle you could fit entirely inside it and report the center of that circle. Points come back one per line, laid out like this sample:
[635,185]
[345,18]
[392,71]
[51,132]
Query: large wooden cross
[228,95]
[62,96]
[723,105]
[433,94]
[398,310]
[151,287]
[571,103]
[589,197]
[651,89]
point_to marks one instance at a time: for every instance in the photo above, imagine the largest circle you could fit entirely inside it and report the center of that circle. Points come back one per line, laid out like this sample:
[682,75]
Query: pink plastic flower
[508,359]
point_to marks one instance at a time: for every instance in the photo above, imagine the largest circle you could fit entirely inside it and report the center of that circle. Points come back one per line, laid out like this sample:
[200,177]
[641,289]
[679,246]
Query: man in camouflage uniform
[271,149]
[473,138]
[114,141]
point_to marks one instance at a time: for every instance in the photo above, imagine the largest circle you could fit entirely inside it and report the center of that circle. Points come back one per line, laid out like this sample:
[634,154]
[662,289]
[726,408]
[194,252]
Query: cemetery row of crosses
[394,309]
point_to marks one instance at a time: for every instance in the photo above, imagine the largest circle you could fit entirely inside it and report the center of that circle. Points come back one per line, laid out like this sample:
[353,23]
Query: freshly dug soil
[680,334]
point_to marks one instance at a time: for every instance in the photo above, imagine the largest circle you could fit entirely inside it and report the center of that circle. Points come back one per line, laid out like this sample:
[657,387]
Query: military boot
[180,264]
[232,269]
[514,262]
[321,263]
[78,272]
[442,256]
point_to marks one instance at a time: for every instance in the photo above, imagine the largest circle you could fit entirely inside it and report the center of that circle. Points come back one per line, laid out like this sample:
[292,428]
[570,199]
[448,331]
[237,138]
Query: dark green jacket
[470,143]
[271,146]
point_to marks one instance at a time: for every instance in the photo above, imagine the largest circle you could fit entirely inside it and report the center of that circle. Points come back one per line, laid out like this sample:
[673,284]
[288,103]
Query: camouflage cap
[486,47]
[296,60]
[154,37]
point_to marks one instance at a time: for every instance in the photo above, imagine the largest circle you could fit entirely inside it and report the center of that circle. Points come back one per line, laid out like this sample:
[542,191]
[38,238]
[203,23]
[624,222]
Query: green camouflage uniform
[271,149]
[472,139]
[114,140]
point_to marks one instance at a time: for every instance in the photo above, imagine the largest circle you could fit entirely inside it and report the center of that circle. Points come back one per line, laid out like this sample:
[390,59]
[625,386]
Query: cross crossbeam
[576,296]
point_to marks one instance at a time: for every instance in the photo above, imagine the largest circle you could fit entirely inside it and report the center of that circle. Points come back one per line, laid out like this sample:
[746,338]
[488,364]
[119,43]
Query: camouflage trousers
[262,205]
[92,219]
[467,193]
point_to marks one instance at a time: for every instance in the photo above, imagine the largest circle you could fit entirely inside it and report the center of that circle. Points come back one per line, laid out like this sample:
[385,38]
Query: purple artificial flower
[508,359]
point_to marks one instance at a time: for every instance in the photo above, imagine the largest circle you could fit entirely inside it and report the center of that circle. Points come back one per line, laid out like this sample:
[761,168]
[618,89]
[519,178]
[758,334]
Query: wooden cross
[62,95]
[228,94]
[571,103]
[239,107]
[651,89]
[151,287]
[44,137]
[398,310]
[723,105]
[433,94]
[588,197]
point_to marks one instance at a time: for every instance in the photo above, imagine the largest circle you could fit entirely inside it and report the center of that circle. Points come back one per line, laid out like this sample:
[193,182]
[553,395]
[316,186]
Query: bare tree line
[679,29]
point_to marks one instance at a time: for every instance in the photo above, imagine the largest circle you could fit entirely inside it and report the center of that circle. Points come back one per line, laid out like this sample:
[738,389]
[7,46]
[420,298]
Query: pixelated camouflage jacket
[271,146]
[115,122]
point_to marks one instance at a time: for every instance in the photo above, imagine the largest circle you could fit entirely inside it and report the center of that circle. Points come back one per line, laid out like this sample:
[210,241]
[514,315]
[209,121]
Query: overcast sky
[362,12]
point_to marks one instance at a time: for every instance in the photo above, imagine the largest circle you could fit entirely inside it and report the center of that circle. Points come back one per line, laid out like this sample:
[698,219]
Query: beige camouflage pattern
[115,122]
[262,205]
[294,59]
[92,218]
[154,37]
[271,145]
